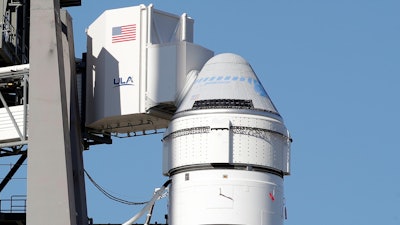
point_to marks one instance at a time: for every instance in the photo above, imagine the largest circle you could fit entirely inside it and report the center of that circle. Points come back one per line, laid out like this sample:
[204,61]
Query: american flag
[124,33]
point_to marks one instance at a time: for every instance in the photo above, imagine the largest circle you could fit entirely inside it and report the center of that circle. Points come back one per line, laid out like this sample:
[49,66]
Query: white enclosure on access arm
[138,61]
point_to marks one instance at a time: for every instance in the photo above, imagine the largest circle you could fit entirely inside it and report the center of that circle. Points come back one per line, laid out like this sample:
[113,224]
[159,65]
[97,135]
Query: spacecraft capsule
[226,150]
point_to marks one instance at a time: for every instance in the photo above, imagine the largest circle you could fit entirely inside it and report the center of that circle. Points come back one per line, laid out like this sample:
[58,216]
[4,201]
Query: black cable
[110,196]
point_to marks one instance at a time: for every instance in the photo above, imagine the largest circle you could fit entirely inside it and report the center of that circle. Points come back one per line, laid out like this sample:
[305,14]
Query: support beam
[51,199]
[68,3]
[74,120]
[13,170]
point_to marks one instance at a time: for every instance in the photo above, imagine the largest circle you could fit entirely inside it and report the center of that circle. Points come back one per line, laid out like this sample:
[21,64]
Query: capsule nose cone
[228,78]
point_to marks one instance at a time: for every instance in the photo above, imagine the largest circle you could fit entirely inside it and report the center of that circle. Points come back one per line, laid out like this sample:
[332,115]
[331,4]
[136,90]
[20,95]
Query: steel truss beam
[13,170]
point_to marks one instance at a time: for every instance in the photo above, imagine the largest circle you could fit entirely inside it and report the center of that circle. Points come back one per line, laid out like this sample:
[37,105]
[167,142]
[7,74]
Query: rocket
[226,149]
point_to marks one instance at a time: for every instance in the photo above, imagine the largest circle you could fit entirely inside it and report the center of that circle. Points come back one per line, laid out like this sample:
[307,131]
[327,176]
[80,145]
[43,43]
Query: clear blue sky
[332,70]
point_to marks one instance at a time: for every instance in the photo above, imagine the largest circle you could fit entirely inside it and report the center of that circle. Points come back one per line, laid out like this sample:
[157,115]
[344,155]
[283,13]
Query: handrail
[16,204]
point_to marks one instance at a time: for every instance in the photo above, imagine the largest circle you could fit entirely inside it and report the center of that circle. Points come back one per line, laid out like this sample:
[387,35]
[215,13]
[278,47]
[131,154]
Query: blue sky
[331,69]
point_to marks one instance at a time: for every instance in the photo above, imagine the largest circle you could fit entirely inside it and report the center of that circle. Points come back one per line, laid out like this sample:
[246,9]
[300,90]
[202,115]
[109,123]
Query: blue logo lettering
[120,81]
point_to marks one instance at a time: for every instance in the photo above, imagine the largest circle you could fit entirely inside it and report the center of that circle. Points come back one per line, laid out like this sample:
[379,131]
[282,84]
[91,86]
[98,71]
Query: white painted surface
[185,145]
[226,197]
[226,150]
[8,132]
[125,79]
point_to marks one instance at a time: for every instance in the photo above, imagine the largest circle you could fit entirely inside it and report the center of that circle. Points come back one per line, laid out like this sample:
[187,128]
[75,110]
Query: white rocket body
[226,150]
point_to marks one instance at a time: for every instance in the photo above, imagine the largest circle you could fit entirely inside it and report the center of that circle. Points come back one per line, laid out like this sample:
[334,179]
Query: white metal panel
[220,140]
[230,73]
[226,197]
[14,68]
[7,130]
[168,66]
[114,59]
[162,74]
[213,138]
[170,28]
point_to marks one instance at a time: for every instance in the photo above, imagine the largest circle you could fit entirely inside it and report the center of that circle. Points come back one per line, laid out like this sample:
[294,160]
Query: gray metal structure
[55,184]
[14,83]
[15,33]
[52,196]
[14,92]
